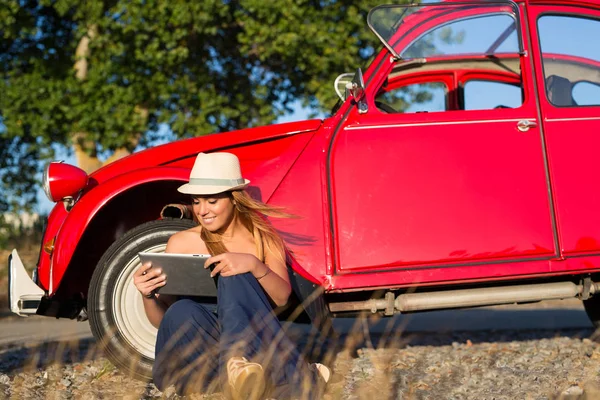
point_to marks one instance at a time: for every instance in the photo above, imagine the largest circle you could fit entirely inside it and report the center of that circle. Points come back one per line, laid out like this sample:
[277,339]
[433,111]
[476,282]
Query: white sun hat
[215,173]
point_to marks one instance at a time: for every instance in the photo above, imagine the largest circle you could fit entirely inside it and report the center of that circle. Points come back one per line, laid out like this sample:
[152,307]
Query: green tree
[18,167]
[99,77]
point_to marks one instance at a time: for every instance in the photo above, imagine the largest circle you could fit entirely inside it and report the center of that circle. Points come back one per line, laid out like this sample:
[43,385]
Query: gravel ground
[538,364]
[509,364]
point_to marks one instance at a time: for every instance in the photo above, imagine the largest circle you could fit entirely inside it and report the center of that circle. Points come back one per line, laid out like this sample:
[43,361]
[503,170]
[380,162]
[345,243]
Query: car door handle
[524,125]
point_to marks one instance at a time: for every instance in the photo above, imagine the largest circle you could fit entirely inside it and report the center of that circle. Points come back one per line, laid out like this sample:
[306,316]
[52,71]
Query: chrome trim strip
[572,119]
[351,128]
[51,277]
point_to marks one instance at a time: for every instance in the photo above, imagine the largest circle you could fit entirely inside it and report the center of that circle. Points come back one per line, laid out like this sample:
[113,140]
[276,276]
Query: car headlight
[46,182]
[62,180]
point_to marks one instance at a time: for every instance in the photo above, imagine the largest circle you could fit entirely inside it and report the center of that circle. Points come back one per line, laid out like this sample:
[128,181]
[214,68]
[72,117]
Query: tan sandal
[246,379]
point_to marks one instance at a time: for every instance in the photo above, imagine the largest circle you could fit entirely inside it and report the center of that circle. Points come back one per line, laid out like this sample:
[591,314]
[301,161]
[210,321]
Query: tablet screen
[186,275]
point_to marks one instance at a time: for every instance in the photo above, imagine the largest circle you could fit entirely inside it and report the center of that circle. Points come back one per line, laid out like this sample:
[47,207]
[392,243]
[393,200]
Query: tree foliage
[100,77]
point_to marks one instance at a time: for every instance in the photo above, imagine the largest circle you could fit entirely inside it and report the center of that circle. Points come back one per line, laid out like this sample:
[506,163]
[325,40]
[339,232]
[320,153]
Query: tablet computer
[186,275]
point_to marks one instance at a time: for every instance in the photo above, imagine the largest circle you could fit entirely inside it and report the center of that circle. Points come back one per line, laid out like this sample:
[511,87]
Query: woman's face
[215,212]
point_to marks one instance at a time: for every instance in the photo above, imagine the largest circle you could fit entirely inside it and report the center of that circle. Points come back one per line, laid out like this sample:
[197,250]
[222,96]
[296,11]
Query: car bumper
[24,295]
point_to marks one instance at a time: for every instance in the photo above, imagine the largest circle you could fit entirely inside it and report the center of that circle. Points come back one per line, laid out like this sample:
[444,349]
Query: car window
[488,34]
[484,46]
[418,97]
[586,93]
[485,95]
[421,30]
[571,59]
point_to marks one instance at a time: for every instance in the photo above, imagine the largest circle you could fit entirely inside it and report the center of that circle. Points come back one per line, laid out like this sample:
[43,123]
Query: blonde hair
[252,214]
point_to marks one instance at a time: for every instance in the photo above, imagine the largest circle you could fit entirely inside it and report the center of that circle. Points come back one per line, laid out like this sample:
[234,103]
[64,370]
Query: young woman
[243,339]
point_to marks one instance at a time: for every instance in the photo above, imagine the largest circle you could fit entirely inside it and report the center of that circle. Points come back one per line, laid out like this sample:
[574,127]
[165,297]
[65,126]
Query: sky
[559,34]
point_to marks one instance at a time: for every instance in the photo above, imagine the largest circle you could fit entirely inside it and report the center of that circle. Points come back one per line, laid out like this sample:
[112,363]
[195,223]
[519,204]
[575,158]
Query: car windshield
[439,29]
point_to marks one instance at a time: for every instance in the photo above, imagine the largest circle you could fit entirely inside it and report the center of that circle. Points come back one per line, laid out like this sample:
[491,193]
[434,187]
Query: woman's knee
[186,319]
[179,312]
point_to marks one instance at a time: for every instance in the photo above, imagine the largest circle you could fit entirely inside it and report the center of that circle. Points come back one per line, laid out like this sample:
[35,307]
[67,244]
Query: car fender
[84,211]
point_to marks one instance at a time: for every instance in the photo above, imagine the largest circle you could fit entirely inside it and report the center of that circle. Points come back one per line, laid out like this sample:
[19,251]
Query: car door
[568,72]
[425,187]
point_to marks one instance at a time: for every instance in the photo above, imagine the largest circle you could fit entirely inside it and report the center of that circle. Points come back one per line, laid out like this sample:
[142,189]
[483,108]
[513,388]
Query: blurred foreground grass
[560,365]
[457,365]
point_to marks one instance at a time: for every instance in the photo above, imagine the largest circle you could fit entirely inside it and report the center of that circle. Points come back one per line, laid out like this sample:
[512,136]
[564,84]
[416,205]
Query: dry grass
[79,369]
[364,365]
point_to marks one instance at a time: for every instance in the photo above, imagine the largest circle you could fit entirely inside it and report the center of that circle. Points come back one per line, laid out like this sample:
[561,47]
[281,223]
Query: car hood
[170,152]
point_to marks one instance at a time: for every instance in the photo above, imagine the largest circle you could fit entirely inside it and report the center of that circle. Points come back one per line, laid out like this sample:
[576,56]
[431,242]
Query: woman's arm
[274,278]
[147,279]
[272,275]
[155,309]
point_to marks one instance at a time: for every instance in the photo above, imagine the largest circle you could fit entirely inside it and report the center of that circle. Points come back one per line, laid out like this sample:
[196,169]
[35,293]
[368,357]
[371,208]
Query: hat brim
[202,190]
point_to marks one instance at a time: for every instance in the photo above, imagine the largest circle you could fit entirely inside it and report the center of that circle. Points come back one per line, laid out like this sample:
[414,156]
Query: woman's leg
[249,328]
[187,349]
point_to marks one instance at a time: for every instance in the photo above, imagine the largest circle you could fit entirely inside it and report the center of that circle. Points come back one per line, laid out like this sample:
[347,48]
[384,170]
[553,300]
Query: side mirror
[341,83]
[356,88]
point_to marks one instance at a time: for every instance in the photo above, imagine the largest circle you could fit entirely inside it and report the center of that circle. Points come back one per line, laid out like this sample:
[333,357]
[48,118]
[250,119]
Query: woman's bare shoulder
[188,241]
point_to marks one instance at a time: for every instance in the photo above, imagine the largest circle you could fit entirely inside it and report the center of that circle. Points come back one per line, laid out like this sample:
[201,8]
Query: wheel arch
[105,214]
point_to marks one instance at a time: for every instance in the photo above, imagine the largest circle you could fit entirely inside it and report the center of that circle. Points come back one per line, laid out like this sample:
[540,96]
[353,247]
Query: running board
[467,298]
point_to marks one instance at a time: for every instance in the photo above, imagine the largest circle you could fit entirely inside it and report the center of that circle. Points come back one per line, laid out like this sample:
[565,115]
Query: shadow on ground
[437,328]
[17,358]
[442,328]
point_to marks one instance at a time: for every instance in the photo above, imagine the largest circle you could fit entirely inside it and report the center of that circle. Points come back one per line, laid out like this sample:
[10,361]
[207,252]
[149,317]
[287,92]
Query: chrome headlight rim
[46,182]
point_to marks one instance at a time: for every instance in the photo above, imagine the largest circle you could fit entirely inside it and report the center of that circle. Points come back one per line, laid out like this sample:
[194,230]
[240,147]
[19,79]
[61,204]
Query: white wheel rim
[128,309]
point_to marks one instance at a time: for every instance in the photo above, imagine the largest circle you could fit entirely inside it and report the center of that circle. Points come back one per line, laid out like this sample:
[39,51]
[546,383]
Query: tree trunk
[86,152]
[85,149]
[133,141]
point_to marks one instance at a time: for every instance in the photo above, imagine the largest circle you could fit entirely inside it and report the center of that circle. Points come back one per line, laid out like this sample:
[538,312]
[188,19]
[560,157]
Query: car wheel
[592,309]
[115,307]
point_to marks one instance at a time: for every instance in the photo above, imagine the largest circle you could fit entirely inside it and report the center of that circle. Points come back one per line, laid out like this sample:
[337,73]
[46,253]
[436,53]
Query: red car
[458,169]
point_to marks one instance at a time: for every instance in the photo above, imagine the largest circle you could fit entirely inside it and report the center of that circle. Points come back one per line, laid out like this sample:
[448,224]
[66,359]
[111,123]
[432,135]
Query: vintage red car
[459,169]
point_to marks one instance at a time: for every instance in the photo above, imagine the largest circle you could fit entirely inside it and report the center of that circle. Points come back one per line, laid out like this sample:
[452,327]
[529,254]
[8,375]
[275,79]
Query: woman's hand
[229,264]
[146,279]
